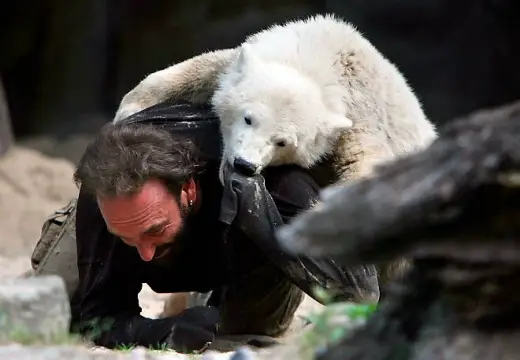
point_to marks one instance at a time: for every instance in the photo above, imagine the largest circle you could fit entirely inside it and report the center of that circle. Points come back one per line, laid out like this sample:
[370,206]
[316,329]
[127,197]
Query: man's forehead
[152,192]
[144,228]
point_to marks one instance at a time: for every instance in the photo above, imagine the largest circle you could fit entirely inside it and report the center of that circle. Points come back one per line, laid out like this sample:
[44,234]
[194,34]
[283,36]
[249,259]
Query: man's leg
[263,303]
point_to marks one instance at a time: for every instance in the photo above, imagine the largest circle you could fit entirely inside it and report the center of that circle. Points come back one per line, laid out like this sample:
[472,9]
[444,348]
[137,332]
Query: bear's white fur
[316,86]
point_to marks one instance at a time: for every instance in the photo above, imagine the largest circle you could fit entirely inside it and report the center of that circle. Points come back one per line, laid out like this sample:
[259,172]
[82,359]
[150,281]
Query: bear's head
[272,114]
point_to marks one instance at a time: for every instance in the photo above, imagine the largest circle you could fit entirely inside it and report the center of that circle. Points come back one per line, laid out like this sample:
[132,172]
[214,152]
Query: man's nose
[146,251]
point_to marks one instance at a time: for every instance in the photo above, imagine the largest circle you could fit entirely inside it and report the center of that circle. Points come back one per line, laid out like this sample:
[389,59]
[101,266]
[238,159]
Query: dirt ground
[32,186]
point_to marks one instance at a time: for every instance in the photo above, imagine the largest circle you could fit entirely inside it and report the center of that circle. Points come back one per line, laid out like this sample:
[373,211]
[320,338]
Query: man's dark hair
[124,156]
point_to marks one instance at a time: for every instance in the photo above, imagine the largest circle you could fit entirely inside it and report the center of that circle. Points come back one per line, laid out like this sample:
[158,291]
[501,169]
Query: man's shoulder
[290,179]
[292,188]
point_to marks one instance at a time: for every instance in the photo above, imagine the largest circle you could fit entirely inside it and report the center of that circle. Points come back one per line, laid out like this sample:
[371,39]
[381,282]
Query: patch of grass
[333,323]
[130,347]
[94,328]
[11,333]
[25,337]
[15,333]
[125,348]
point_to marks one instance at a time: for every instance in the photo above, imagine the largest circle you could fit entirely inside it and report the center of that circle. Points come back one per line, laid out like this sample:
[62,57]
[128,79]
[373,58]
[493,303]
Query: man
[152,210]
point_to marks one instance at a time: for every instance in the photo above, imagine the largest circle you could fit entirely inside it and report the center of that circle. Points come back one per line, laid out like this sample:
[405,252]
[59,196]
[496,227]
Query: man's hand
[194,329]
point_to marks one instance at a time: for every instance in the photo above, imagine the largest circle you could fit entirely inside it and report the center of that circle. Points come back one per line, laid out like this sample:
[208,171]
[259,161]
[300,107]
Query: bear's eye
[247,119]
[281,143]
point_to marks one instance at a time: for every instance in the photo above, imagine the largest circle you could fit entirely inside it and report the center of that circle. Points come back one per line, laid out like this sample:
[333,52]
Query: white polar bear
[299,93]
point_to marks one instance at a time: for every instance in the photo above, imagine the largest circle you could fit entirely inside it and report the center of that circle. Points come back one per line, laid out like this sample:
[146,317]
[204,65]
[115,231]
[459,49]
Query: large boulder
[34,309]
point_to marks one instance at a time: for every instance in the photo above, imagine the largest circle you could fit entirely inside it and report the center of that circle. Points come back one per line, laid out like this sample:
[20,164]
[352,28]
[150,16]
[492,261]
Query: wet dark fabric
[223,248]
[248,203]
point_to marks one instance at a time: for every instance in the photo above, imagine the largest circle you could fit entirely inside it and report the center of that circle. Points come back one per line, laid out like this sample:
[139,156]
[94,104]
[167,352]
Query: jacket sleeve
[287,191]
[105,305]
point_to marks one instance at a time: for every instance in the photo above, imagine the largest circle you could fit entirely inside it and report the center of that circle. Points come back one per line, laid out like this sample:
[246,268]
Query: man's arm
[193,80]
[105,305]
[294,190]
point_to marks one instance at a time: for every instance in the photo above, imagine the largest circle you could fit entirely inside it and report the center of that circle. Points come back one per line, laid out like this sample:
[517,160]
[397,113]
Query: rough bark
[465,181]
[454,210]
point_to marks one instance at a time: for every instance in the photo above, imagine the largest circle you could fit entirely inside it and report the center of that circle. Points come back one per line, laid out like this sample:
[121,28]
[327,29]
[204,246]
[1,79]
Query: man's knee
[55,252]
[262,304]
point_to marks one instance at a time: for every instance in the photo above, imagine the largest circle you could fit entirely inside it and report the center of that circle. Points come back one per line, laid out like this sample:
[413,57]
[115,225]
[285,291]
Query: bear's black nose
[245,167]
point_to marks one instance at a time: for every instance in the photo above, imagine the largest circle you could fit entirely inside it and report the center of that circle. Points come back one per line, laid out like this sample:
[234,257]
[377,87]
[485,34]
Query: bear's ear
[247,58]
[338,122]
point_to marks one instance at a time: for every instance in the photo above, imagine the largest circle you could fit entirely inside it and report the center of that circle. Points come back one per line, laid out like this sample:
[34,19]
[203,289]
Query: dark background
[66,64]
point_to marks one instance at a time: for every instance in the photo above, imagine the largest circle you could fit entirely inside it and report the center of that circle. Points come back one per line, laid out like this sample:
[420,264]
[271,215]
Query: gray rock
[33,309]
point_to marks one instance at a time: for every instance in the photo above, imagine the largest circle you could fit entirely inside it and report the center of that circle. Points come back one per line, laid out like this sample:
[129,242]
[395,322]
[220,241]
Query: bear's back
[312,46]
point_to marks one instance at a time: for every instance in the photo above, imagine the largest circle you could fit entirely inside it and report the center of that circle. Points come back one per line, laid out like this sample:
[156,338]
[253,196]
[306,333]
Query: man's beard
[164,251]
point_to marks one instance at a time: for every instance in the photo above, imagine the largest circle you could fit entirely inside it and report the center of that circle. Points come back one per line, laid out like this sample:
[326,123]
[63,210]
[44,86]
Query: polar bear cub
[271,113]
[296,89]
[298,93]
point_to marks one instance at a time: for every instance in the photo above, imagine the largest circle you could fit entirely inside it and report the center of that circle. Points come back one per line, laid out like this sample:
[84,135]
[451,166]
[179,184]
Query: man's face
[149,220]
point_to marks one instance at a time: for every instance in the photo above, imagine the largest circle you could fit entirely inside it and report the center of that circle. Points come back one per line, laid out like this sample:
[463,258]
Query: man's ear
[189,192]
